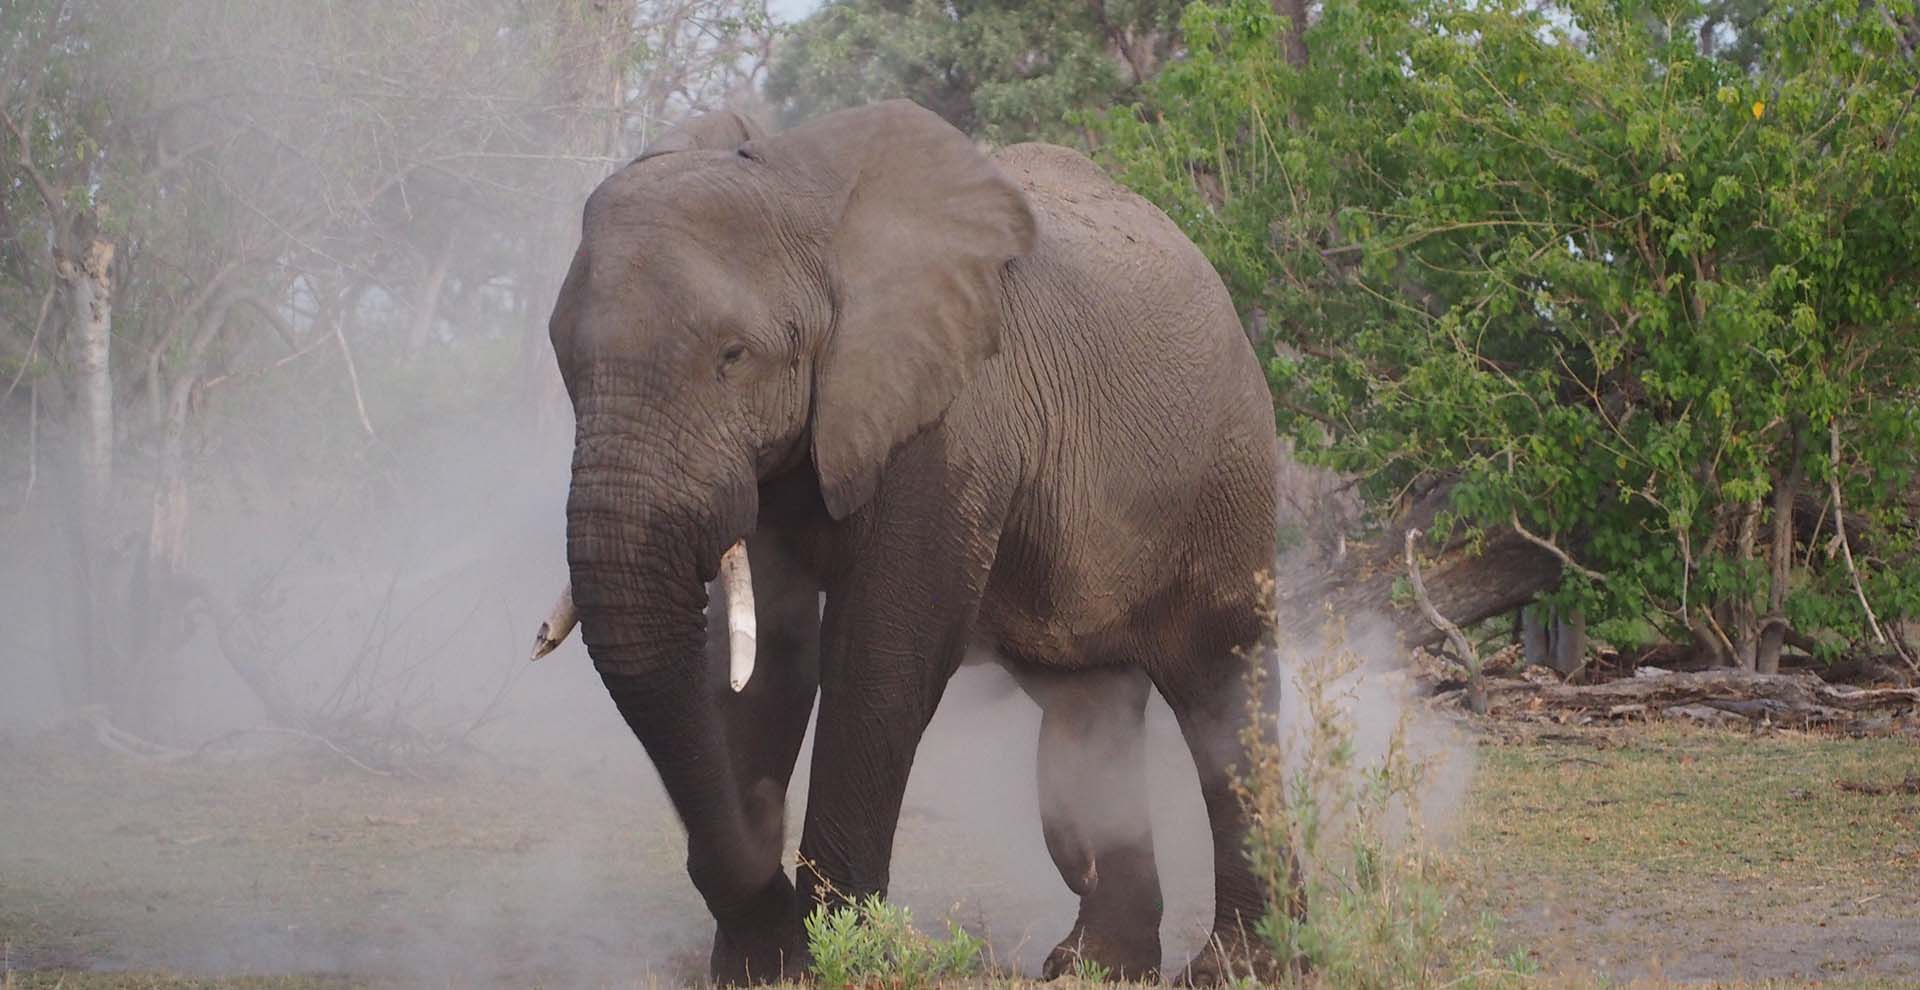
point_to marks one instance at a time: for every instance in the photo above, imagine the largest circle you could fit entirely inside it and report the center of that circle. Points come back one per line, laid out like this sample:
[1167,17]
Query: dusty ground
[558,869]
[1645,856]
[1696,856]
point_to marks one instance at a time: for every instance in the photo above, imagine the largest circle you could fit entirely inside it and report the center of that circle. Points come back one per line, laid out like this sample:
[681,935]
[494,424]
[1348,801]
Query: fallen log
[1468,580]
[1800,697]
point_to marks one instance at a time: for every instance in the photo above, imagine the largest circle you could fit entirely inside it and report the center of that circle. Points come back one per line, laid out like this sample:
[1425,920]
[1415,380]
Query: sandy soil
[492,871]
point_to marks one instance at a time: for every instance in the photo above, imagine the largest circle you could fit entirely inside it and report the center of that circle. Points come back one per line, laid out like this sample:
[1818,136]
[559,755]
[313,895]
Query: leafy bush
[1641,279]
[872,945]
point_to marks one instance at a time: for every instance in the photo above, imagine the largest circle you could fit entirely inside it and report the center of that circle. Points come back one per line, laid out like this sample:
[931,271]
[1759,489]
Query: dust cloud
[330,753]
[539,847]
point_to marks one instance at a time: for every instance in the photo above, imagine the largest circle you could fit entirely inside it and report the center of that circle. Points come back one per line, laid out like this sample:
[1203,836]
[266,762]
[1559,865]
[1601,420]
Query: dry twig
[1476,685]
[1840,528]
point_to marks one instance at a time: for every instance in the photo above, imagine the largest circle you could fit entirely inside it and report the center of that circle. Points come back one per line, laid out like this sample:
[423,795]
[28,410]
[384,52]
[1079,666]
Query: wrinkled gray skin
[979,402]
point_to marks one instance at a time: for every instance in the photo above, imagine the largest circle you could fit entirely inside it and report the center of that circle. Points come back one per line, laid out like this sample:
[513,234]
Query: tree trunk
[1779,697]
[426,307]
[1535,636]
[1569,651]
[1295,11]
[1786,489]
[1741,617]
[86,288]
[159,592]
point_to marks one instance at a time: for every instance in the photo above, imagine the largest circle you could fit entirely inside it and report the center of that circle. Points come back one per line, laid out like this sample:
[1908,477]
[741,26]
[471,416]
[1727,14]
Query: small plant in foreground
[872,945]
[1367,903]
[1088,971]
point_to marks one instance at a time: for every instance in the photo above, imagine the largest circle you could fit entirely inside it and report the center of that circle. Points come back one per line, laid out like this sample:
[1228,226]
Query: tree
[1642,298]
[51,217]
[357,206]
[1005,71]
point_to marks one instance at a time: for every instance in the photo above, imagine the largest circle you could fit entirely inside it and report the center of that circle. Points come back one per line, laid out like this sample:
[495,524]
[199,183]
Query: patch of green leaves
[1607,276]
[873,944]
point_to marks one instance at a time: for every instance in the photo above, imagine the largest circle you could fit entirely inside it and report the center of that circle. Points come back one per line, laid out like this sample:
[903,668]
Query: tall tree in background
[1006,71]
[328,224]
[1636,279]
[60,273]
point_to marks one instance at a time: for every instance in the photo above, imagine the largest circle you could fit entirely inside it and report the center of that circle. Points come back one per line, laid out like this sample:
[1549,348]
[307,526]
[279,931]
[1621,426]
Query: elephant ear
[922,226]
[721,130]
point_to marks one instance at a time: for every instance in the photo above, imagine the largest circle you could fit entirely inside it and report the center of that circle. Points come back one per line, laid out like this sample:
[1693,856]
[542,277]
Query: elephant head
[743,307]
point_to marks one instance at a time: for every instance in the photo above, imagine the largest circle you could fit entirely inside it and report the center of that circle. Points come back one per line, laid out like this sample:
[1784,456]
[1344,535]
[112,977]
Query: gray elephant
[979,402]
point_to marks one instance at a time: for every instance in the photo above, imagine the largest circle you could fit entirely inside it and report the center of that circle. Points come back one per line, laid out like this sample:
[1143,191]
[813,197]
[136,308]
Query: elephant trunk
[640,548]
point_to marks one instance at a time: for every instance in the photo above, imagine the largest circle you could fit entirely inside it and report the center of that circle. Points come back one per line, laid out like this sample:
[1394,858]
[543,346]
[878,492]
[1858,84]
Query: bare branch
[1840,528]
[33,345]
[48,197]
[353,379]
[289,359]
[1476,687]
[35,75]
[1566,560]
[284,730]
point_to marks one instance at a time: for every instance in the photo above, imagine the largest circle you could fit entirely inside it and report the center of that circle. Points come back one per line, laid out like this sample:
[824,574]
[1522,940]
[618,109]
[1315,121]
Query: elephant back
[1115,238]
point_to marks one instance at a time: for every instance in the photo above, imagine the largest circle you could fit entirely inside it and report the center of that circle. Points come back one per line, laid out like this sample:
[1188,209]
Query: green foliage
[1362,898]
[1624,284]
[873,944]
[1006,70]
[1088,971]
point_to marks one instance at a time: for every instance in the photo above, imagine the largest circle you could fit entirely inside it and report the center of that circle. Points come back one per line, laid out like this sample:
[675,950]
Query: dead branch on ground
[1799,698]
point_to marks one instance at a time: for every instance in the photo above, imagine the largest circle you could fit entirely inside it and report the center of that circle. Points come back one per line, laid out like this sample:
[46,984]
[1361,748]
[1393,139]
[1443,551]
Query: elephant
[971,399]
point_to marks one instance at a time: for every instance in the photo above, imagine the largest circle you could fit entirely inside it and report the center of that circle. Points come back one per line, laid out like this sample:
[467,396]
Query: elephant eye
[732,355]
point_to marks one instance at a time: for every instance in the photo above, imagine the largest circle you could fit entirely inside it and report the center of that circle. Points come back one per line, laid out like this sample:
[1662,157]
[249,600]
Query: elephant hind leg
[1208,691]
[1094,816]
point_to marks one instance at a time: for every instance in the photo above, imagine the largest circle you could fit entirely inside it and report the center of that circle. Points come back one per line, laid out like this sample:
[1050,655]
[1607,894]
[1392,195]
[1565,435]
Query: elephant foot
[1231,958]
[762,942]
[1130,957]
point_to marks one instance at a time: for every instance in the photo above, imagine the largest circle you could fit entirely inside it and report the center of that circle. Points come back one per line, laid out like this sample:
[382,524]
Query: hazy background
[277,546]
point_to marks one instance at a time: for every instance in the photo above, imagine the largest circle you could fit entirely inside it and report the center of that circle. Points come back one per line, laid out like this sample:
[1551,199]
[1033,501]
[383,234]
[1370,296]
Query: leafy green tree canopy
[1002,69]
[1638,276]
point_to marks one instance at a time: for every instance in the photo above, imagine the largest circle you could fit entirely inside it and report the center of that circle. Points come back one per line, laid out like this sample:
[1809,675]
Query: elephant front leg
[766,722]
[897,623]
[767,719]
[1094,816]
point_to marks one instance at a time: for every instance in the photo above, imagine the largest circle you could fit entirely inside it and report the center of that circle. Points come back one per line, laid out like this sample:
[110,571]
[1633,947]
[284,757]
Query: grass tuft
[1362,900]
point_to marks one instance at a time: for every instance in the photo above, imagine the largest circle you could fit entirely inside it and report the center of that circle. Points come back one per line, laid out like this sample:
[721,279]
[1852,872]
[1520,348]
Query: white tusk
[559,623]
[737,577]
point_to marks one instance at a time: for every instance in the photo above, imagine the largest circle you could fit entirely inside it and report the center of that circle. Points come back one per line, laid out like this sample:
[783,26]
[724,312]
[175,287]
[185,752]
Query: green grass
[1699,853]
[1661,805]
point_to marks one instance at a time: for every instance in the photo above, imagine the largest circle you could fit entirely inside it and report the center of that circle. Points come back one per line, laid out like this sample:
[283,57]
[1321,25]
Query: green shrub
[872,945]
[1638,276]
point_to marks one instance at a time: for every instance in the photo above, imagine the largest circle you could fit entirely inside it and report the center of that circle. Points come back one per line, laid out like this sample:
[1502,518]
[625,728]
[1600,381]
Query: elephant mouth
[736,577]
